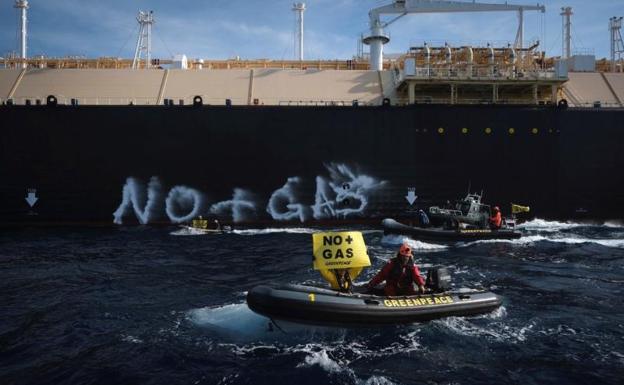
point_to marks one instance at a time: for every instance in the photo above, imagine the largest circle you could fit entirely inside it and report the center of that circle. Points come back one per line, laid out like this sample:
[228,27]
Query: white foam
[547,226]
[560,330]
[377,380]
[288,230]
[497,331]
[417,246]
[321,359]
[553,226]
[323,356]
[187,231]
[131,339]
[235,318]
[616,243]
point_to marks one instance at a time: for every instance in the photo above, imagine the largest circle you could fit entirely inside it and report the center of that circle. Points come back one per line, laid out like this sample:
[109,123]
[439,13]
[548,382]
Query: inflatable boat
[320,306]
[390,226]
[340,258]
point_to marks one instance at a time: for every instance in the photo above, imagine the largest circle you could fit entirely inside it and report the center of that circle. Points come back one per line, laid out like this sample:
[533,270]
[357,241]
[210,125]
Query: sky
[253,29]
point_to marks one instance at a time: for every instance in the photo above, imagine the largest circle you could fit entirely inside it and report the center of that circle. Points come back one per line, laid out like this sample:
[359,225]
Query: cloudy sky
[220,29]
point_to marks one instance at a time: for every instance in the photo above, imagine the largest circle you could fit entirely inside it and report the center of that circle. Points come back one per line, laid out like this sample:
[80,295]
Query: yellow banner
[344,250]
[515,209]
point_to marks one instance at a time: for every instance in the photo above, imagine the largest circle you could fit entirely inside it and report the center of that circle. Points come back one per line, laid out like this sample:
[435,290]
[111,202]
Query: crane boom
[378,38]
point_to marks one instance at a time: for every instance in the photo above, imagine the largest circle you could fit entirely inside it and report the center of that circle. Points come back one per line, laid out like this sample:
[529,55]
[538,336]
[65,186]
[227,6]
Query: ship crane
[400,8]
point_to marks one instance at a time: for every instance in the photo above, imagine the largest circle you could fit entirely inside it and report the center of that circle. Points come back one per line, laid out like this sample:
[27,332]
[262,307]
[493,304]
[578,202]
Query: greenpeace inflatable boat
[318,306]
[340,257]
[390,226]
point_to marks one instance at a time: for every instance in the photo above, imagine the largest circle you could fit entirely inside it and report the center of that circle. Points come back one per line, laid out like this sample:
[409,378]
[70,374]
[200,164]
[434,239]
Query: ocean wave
[531,239]
[543,225]
[335,356]
[287,230]
[234,318]
[498,331]
[321,359]
[614,224]
[131,339]
[417,246]
[547,226]
[187,231]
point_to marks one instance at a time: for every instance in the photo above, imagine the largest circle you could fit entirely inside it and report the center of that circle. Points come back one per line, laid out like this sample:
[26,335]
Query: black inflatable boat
[319,306]
[391,226]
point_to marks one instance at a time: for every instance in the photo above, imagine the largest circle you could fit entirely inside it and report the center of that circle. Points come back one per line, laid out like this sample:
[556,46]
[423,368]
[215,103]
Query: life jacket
[497,220]
[396,274]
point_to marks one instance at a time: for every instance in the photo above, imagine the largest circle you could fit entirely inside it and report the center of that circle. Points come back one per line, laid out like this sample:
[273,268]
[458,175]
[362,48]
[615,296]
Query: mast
[566,12]
[23,6]
[617,44]
[299,8]
[144,42]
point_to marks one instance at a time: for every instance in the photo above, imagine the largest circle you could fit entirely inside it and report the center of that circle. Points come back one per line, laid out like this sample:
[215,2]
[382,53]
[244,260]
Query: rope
[132,33]
[276,325]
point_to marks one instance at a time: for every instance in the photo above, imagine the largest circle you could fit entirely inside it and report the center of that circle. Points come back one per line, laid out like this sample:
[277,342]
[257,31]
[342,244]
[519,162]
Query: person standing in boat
[400,274]
[496,220]
[423,218]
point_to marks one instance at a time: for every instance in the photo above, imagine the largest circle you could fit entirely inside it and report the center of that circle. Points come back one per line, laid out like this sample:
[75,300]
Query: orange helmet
[405,250]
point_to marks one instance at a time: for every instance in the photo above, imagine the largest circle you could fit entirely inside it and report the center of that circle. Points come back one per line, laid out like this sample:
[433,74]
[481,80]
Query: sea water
[153,305]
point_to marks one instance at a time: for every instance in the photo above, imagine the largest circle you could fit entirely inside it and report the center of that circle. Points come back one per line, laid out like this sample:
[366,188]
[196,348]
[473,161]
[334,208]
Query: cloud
[219,29]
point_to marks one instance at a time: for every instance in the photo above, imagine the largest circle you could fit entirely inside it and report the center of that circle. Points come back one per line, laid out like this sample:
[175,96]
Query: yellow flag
[339,250]
[199,223]
[515,209]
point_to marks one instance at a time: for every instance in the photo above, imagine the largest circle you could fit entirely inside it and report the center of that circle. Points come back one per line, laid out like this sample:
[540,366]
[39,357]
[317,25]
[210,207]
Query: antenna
[23,5]
[299,8]
[566,12]
[144,42]
[617,44]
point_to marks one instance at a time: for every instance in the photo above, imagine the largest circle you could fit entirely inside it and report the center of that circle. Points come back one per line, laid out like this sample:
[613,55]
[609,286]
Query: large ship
[152,141]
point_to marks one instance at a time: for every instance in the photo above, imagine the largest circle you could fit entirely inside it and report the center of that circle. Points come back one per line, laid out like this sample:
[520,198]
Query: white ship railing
[395,101]
[185,100]
[487,74]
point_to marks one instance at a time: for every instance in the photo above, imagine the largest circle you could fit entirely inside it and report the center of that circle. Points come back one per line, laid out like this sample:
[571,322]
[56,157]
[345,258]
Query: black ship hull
[131,164]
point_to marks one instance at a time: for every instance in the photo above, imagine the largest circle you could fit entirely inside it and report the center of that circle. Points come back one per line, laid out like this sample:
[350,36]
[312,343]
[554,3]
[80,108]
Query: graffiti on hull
[343,193]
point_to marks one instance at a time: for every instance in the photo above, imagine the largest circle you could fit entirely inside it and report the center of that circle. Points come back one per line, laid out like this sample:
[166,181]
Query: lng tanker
[153,141]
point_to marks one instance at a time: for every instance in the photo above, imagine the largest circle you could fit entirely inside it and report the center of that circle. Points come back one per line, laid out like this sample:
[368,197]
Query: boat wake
[187,231]
[234,320]
[542,225]
[417,246]
[533,239]
[287,230]
[498,331]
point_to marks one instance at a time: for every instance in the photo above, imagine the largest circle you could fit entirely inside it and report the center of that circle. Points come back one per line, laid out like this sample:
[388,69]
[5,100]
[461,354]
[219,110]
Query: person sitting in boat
[217,225]
[400,274]
[496,220]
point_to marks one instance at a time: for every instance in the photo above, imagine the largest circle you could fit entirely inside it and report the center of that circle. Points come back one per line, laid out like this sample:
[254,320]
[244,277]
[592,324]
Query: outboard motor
[438,279]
